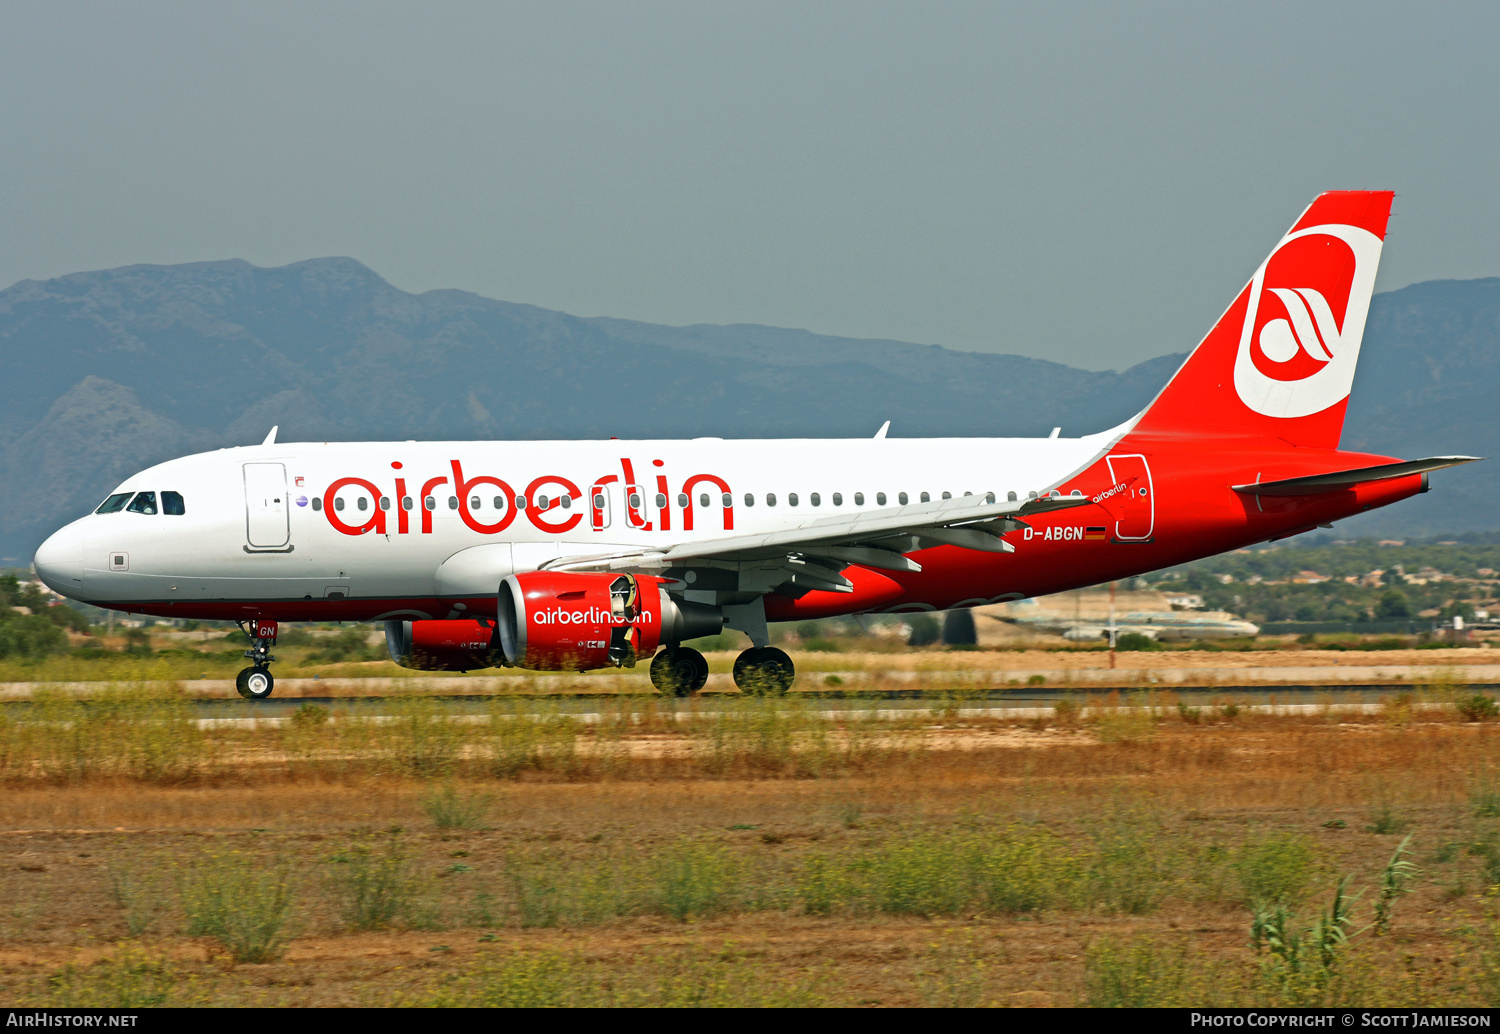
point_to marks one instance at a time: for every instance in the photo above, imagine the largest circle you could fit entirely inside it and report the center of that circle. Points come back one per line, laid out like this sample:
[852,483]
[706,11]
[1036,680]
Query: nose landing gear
[256,682]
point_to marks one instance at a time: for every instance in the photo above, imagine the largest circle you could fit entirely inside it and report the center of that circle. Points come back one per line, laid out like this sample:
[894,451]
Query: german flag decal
[1095,534]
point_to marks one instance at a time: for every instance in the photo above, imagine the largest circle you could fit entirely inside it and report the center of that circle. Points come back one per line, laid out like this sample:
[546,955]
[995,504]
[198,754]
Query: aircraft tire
[764,671]
[679,671]
[255,683]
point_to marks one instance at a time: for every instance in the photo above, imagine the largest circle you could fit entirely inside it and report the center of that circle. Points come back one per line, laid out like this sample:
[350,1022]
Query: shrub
[924,630]
[1126,642]
[1386,820]
[243,902]
[1477,708]
[31,635]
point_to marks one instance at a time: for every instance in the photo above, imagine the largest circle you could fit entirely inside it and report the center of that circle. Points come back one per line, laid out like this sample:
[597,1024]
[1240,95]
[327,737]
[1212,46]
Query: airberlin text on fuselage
[411,507]
[590,616]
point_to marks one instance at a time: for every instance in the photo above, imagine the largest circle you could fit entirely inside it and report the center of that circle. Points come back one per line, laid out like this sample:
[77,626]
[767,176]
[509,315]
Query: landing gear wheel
[254,683]
[679,671]
[764,671]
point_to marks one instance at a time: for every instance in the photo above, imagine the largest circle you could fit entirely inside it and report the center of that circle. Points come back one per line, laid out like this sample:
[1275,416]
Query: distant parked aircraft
[572,555]
[1153,624]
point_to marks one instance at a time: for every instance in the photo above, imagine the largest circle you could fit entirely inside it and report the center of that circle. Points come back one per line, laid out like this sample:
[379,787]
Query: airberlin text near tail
[477,554]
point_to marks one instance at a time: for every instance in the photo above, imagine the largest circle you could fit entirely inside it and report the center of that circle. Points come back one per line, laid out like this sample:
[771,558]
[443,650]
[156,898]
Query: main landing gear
[679,670]
[255,682]
[764,671]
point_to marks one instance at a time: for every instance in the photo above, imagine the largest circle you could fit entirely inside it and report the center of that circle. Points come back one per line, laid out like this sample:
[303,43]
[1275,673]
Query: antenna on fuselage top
[271,438]
[883,429]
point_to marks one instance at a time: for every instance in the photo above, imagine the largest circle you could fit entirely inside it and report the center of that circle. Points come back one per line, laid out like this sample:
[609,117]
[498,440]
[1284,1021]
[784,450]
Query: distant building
[1186,602]
[1309,578]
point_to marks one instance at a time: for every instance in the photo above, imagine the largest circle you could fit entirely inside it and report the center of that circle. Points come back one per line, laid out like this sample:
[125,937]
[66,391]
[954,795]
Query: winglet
[271,438]
[883,429]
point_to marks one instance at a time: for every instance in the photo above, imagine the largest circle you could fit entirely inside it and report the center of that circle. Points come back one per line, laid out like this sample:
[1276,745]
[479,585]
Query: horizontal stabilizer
[1315,483]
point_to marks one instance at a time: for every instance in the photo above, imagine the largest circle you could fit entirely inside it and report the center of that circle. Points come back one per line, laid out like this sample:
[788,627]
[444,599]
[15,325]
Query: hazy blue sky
[1087,182]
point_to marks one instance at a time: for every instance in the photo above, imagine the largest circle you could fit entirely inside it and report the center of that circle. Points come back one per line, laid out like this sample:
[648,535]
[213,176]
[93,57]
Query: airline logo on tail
[1305,320]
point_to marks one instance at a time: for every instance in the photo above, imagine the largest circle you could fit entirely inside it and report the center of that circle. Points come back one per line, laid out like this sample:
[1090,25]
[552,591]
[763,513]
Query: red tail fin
[1280,362]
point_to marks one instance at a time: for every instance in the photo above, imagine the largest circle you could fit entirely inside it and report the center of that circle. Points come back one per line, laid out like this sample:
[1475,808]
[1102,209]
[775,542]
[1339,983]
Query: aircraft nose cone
[59,562]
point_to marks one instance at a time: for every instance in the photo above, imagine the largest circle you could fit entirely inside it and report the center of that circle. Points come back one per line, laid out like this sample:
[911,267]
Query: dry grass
[765,857]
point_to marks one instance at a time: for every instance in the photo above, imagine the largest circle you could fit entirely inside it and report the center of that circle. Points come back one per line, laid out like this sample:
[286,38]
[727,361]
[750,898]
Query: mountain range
[102,373]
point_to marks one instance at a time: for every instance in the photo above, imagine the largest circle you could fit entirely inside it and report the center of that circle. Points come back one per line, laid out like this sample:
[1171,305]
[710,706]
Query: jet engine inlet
[574,622]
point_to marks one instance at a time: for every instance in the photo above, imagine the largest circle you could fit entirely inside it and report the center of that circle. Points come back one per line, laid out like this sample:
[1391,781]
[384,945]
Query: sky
[1087,183]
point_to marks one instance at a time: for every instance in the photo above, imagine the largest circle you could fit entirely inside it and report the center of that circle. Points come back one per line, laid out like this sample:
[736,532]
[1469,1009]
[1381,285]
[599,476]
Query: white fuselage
[239,540]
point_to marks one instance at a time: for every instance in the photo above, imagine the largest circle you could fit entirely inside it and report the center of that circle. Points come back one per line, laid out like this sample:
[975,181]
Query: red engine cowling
[443,645]
[573,622]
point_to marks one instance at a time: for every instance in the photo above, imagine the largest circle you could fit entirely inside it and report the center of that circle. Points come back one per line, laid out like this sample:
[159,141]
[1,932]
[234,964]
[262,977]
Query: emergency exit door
[1135,509]
[266,525]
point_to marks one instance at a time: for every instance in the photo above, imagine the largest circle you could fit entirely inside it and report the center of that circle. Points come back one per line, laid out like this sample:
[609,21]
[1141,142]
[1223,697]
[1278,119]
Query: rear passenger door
[266,524]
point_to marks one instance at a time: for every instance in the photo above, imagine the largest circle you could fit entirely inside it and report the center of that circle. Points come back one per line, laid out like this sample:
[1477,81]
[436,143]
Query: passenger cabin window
[114,503]
[947,495]
[838,499]
[682,500]
[385,502]
[475,502]
[727,499]
[859,499]
[815,499]
[926,498]
[791,498]
[770,498]
[429,502]
[749,499]
[338,502]
[567,502]
[703,499]
[499,502]
[362,503]
[406,502]
[879,498]
[661,501]
[172,505]
[453,502]
[144,502]
[317,504]
[902,497]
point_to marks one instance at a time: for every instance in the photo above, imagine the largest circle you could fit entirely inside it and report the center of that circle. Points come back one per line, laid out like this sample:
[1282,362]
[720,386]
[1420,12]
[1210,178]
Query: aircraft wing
[870,538]
[1338,479]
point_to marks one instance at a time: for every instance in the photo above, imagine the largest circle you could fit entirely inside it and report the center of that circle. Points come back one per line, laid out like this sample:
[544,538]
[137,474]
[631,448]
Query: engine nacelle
[443,645]
[553,621]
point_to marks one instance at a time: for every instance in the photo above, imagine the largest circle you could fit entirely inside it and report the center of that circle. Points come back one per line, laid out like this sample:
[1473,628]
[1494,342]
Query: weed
[373,887]
[1125,725]
[1229,712]
[1131,871]
[1300,963]
[1335,824]
[243,902]
[137,889]
[310,716]
[1065,712]
[1386,820]
[450,809]
[1273,869]
[1395,883]
[1191,715]
[1036,680]
[1141,975]
[692,880]
[691,978]
[130,978]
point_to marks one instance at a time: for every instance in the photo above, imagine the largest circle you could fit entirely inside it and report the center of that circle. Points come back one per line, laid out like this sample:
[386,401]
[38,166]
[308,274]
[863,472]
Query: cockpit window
[171,504]
[144,502]
[113,503]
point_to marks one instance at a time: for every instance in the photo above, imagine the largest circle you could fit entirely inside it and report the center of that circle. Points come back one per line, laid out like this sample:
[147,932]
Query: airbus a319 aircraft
[575,555]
